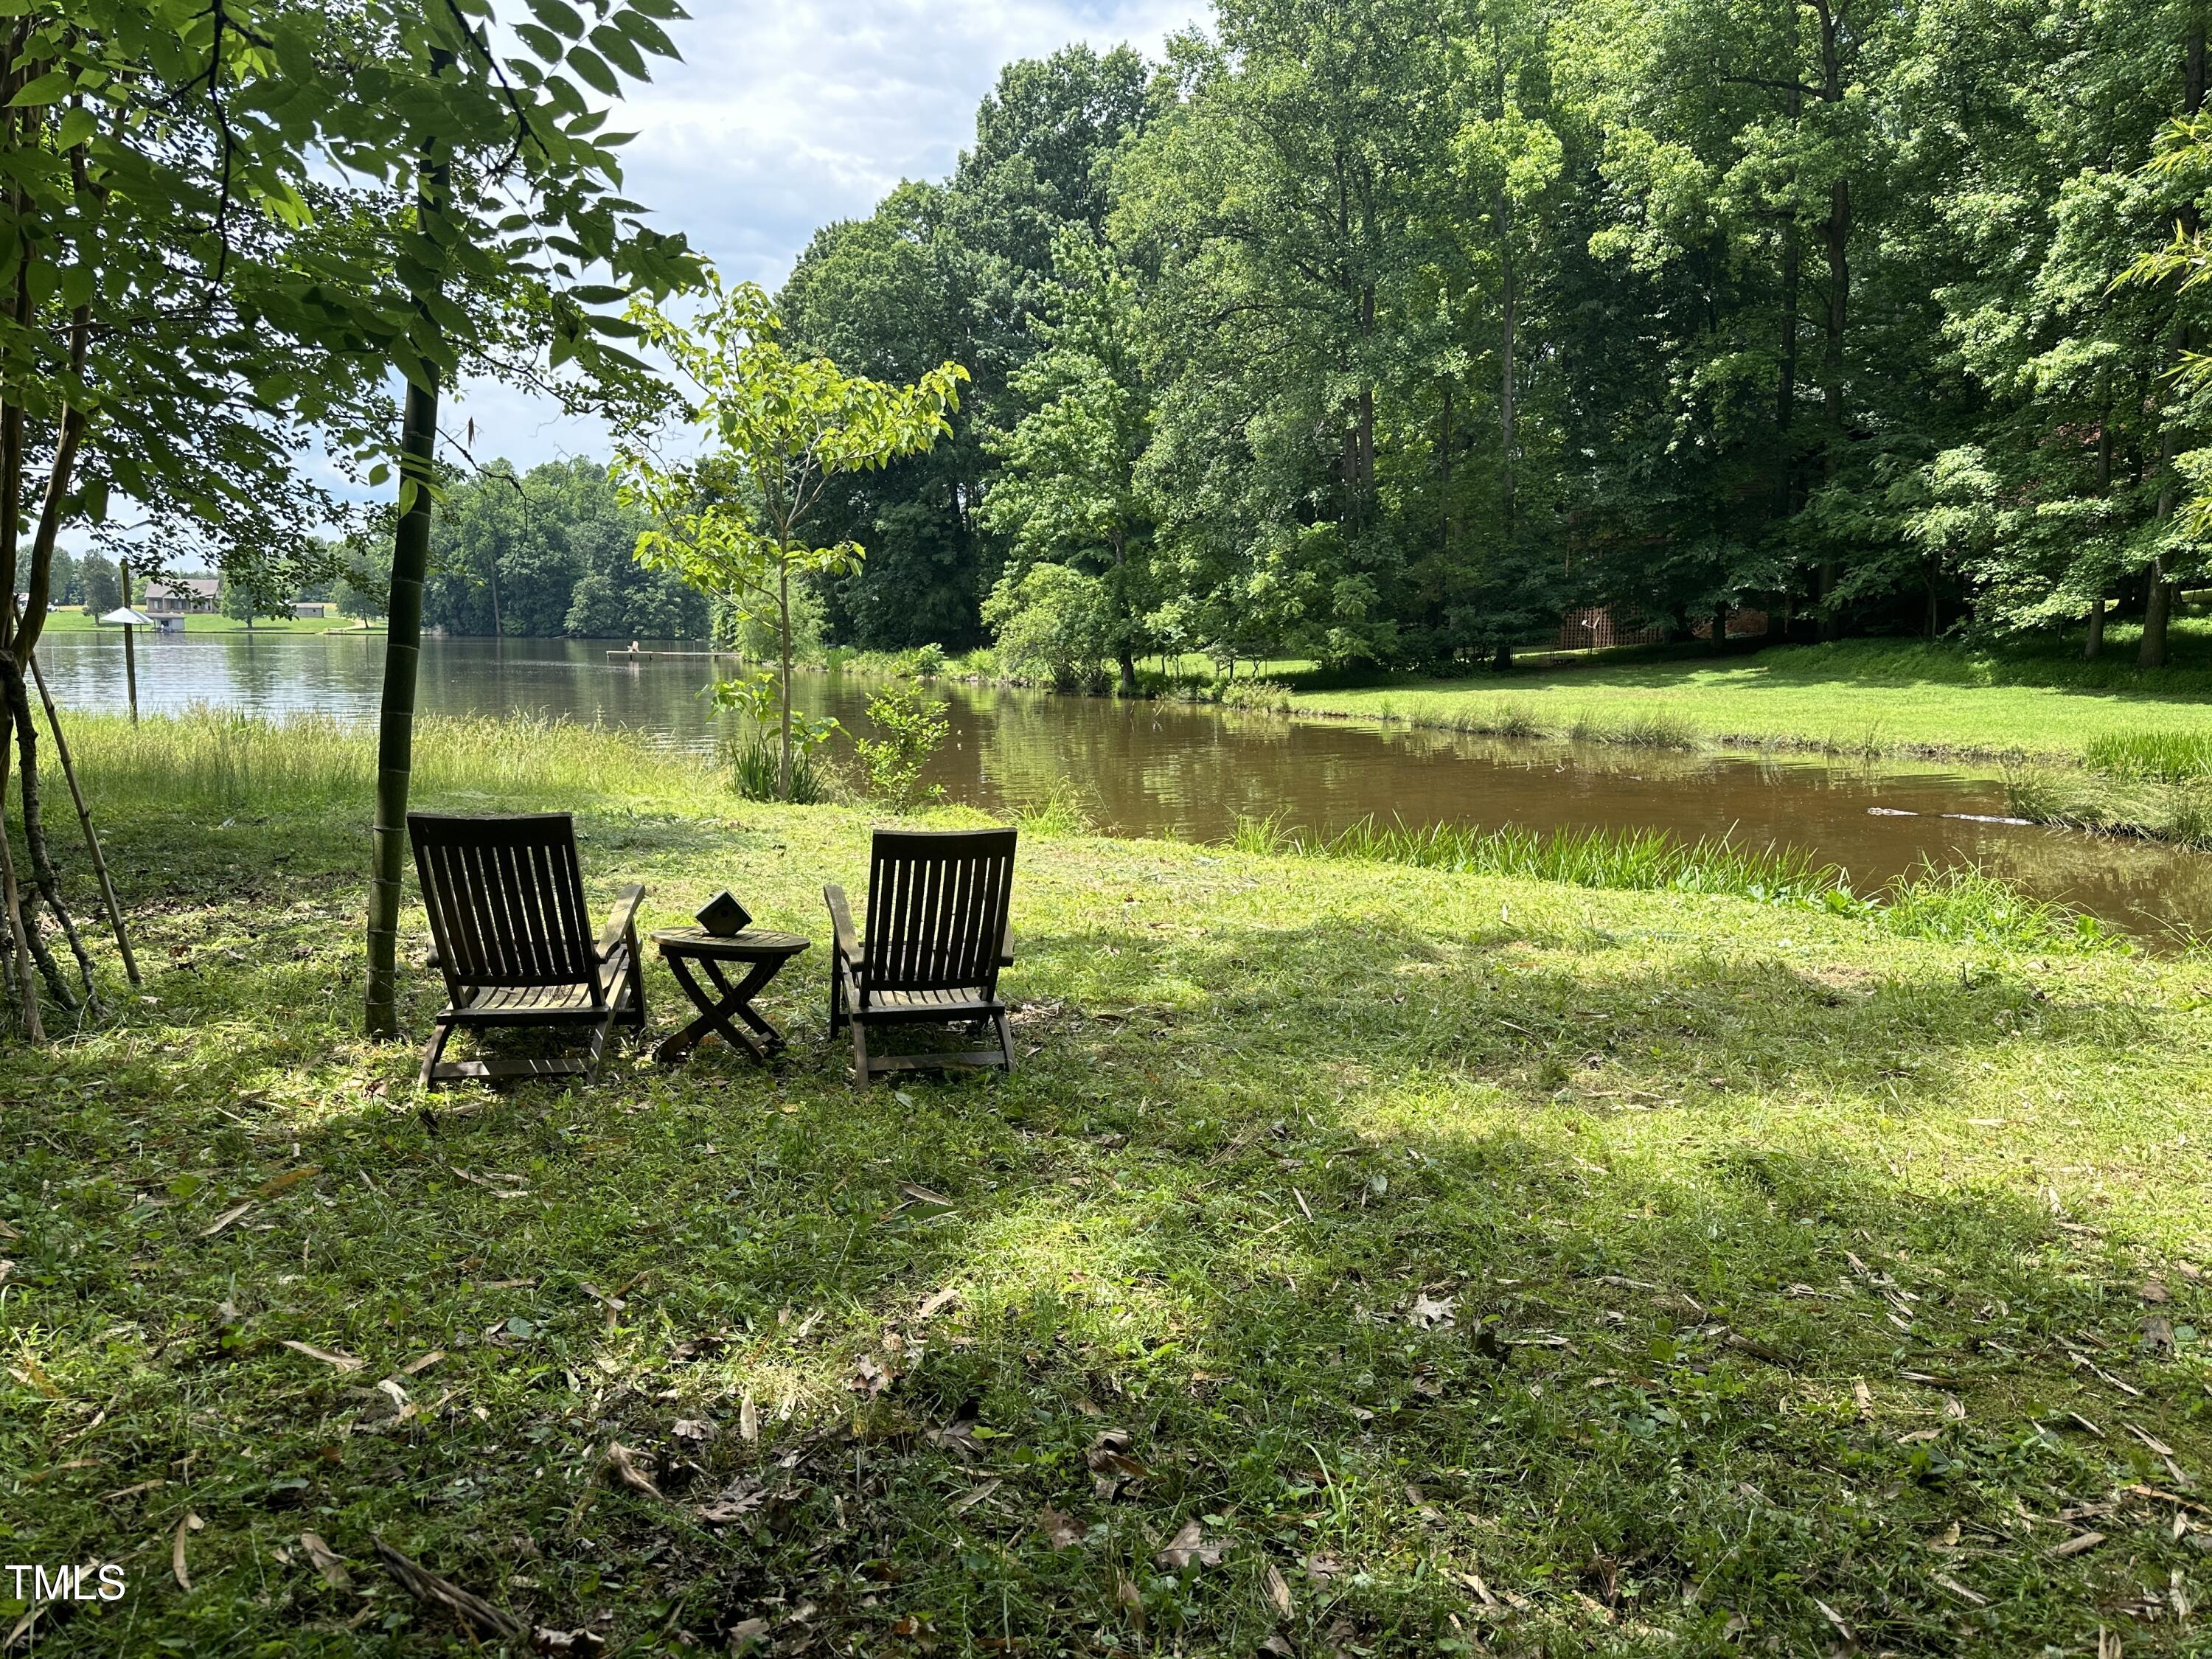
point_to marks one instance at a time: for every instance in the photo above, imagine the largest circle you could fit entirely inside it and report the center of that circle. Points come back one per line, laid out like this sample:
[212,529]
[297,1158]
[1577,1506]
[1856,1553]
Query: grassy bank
[1858,696]
[72,619]
[1416,1261]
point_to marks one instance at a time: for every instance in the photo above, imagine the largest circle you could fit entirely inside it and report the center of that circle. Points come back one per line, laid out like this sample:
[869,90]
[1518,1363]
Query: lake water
[1168,768]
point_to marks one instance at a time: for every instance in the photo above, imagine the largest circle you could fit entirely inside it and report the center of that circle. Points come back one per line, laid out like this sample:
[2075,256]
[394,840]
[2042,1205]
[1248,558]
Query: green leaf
[666,10]
[77,126]
[564,19]
[544,42]
[49,88]
[647,32]
[597,293]
[593,70]
[621,51]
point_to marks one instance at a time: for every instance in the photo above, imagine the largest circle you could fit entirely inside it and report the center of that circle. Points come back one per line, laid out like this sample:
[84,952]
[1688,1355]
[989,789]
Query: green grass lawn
[1399,1263]
[1855,697]
[72,619]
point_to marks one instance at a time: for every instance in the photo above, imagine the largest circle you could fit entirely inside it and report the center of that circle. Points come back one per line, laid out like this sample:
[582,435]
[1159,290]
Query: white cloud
[783,119]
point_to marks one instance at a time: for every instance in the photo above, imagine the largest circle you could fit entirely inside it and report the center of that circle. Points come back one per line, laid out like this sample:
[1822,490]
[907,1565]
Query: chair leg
[860,1055]
[636,987]
[1005,1042]
[439,1031]
[836,996]
[599,1047]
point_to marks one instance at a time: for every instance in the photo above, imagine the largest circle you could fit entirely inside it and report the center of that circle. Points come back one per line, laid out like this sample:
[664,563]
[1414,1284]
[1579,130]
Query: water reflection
[1167,769]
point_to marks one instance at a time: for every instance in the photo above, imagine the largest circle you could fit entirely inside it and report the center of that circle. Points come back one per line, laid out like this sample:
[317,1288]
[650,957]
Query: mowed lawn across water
[1364,1259]
[1856,697]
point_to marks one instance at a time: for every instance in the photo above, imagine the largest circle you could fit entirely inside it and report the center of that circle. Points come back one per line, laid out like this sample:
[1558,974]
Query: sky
[785,118]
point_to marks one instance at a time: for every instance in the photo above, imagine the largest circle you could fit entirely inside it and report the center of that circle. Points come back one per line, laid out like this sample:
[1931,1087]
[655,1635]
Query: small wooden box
[723,916]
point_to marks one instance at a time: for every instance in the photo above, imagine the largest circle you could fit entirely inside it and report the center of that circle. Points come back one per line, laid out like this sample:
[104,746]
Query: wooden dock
[666,656]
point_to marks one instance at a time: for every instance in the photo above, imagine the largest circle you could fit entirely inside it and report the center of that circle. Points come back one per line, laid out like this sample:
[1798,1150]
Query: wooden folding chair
[514,940]
[937,908]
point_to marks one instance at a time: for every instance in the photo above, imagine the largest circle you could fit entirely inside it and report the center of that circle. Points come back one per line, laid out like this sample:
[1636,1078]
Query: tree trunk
[1444,457]
[2158,603]
[1507,415]
[2093,647]
[403,650]
[395,737]
[783,634]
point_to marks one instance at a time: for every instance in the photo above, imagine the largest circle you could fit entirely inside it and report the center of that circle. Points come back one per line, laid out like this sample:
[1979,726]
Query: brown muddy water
[1175,770]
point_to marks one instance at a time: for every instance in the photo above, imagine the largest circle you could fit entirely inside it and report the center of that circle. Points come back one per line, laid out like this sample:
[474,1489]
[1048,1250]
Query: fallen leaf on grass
[2155,1443]
[1972,1598]
[975,1495]
[344,1362]
[2079,1542]
[1189,1546]
[623,1462]
[2157,1335]
[1430,1313]
[1321,1568]
[912,1192]
[869,1378]
[1279,1592]
[33,1374]
[428,1587]
[129,1492]
[546,1640]
[326,1561]
[1834,1618]
[688,1428]
[932,1303]
[1132,1603]
[290,1178]
[736,1500]
[1918,1435]
[749,1420]
[7,1231]
[1864,1395]
[2152,1291]
[225,1219]
[747,1634]
[192,1523]
[416,1367]
[1058,1530]
[1473,1582]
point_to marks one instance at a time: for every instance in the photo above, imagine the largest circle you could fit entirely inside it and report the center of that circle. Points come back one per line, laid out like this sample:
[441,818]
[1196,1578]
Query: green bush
[914,728]
[1054,625]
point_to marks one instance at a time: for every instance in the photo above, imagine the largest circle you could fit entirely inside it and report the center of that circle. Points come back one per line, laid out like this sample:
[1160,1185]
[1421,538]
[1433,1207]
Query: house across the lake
[182,596]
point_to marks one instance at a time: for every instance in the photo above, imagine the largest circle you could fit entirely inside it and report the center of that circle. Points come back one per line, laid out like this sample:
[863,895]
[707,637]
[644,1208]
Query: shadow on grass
[1428,1272]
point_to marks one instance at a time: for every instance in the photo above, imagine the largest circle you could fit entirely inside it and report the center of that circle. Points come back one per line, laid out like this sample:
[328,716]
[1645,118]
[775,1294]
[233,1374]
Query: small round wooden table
[688,951]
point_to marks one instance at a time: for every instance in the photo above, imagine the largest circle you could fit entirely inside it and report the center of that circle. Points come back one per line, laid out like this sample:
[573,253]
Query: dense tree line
[1390,332]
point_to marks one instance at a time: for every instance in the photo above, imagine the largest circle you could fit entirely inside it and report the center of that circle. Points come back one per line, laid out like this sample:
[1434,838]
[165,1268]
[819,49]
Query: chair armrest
[847,941]
[622,922]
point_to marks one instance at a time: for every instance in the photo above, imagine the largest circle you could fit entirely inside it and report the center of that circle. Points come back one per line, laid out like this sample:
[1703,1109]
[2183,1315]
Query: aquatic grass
[1632,860]
[1967,906]
[2163,756]
[1063,807]
[2178,811]
[220,760]
[1962,906]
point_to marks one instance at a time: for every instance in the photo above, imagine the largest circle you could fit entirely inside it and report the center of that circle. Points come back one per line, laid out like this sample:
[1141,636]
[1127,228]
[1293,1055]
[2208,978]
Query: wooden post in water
[130,651]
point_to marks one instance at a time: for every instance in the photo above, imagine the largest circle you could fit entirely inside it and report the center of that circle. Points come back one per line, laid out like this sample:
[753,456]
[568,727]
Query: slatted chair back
[506,899]
[937,909]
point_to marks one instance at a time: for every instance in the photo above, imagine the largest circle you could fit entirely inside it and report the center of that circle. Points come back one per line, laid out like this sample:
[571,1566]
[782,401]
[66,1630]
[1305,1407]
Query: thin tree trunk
[2158,603]
[403,650]
[395,737]
[783,634]
[11,899]
[2093,647]
[1508,412]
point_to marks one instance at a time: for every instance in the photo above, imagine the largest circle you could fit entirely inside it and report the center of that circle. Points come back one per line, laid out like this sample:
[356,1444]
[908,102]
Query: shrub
[1054,625]
[1272,695]
[914,726]
[752,760]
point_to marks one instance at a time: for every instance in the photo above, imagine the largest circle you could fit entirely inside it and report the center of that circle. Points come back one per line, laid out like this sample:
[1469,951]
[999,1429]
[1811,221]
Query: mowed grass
[1856,697]
[1397,1261]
